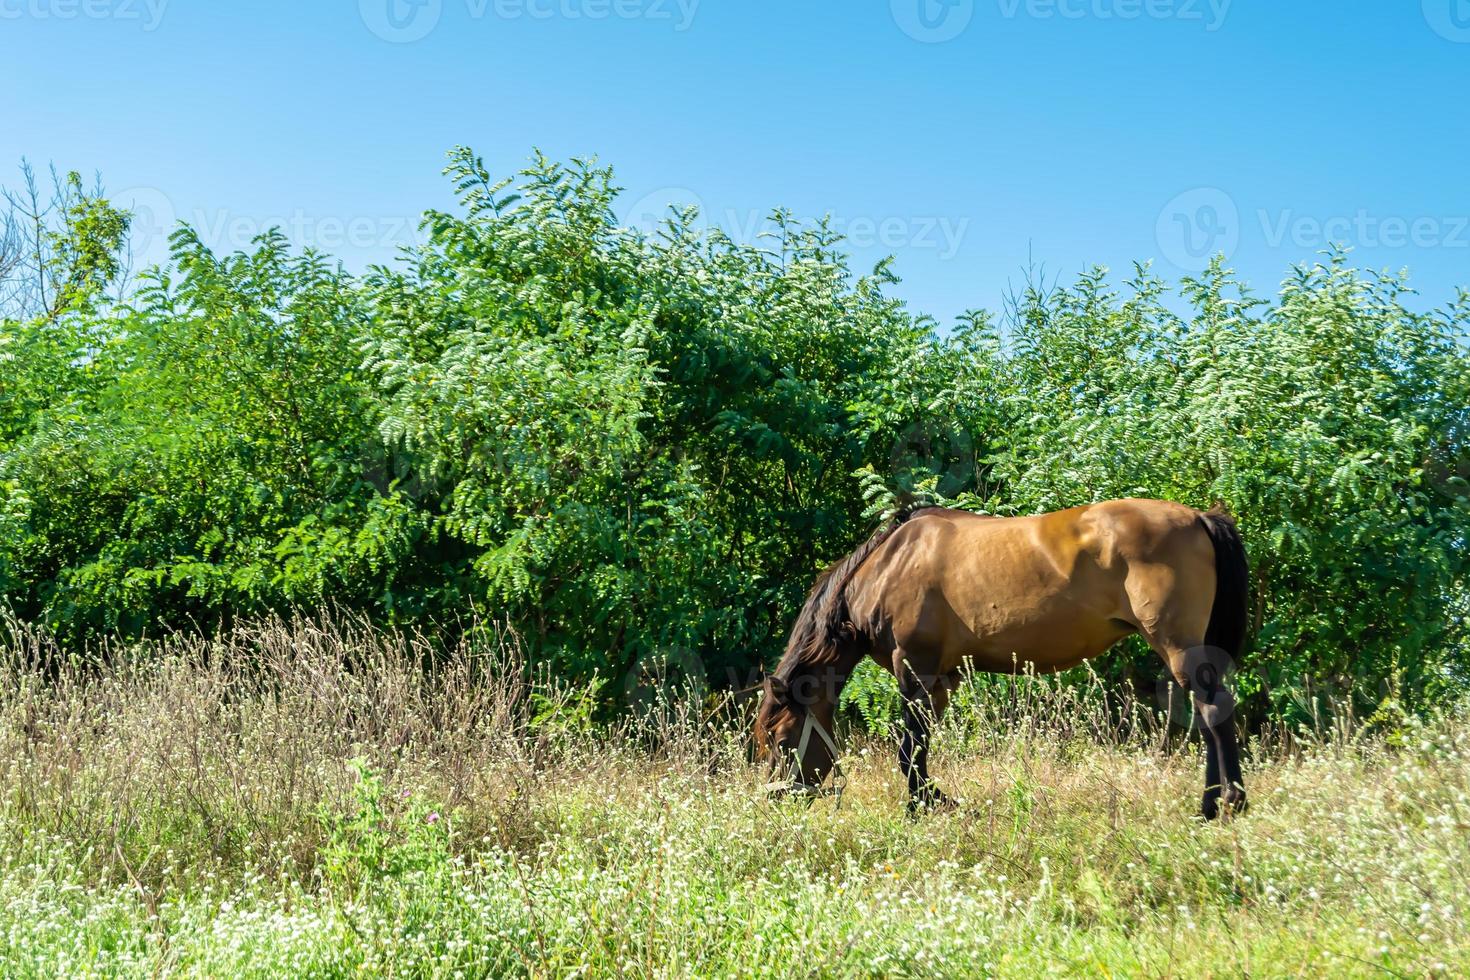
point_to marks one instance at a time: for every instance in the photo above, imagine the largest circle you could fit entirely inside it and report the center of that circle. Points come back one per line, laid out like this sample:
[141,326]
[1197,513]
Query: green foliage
[871,698]
[640,444]
[83,254]
[214,457]
[632,446]
[61,252]
[381,836]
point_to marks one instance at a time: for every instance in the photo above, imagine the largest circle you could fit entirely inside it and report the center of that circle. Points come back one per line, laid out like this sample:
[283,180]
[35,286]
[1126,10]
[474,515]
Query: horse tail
[1229,615]
[824,634]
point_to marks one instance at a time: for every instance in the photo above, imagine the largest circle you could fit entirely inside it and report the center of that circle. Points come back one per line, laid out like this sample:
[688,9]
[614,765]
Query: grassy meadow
[320,798]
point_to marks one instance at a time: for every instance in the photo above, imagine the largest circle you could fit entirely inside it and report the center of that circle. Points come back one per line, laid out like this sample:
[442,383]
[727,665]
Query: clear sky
[966,137]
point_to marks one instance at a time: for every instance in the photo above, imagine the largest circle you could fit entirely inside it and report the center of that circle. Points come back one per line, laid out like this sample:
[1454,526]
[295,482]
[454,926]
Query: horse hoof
[931,801]
[1233,804]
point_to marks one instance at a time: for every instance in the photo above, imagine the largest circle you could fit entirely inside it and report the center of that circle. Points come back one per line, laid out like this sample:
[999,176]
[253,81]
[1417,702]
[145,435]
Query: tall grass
[318,797]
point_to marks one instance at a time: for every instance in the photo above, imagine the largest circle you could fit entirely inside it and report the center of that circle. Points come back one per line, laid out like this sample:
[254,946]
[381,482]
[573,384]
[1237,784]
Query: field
[323,799]
[390,602]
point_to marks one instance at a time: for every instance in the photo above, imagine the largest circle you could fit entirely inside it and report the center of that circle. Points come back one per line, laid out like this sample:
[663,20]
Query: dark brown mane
[822,635]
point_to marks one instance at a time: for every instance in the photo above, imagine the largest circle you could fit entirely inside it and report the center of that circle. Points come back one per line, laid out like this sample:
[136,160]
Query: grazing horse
[939,590]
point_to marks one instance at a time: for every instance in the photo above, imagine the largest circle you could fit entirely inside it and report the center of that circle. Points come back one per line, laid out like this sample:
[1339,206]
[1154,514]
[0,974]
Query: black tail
[1230,614]
[823,635]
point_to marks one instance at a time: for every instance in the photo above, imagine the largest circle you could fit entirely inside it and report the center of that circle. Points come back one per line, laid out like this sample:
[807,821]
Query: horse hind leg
[1201,671]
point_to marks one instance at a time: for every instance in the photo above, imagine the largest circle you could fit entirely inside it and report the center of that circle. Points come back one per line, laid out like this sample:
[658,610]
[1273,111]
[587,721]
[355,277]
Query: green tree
[639,448]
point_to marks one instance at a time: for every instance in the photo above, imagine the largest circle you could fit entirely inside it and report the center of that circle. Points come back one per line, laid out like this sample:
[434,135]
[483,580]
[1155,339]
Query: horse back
[1048,590]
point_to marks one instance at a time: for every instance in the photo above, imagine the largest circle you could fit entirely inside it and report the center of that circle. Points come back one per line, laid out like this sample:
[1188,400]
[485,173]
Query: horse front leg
[922,704]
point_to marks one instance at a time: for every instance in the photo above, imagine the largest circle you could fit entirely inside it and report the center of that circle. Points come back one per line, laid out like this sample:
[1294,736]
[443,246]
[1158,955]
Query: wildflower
[432,818]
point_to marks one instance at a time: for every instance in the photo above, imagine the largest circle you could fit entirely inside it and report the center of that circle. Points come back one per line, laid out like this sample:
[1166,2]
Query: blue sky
[966,137]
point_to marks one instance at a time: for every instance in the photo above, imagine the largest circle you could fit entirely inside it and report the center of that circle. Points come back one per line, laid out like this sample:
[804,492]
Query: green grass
[335,810]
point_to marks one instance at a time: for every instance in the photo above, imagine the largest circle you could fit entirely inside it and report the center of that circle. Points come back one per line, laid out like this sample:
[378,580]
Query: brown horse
[938,590]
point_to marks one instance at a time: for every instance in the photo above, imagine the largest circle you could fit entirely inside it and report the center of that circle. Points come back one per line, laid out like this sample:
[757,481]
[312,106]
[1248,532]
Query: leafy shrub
[381,837]
[640,449]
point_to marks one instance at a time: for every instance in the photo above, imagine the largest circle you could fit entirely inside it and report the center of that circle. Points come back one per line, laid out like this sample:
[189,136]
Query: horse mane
[823,636]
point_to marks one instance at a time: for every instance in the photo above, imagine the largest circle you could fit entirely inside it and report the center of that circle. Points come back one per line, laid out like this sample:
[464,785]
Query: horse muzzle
[795,787]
